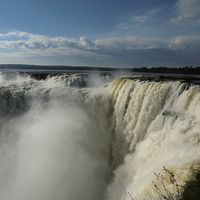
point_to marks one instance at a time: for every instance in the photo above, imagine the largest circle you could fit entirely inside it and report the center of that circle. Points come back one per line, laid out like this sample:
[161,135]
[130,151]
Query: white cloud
[188,11]
[113,50]
[131,42]
[186,42]
[45,43]
[147,17]
[21,40]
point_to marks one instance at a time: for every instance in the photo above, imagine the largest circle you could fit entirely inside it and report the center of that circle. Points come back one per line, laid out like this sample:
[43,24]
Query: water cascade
[98,143]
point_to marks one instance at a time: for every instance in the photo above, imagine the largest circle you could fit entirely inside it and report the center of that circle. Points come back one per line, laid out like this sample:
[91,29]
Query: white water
[156,125]
[63,143]
[53,143]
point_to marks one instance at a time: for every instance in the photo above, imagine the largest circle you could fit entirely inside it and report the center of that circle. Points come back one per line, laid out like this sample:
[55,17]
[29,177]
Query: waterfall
[62,140]
[156,124]
[54,140]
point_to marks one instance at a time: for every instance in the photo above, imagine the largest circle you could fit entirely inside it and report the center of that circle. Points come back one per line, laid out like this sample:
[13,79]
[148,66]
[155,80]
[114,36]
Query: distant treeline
[170,70]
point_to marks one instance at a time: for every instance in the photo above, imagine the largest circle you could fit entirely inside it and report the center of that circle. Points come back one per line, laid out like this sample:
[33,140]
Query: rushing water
[66,143]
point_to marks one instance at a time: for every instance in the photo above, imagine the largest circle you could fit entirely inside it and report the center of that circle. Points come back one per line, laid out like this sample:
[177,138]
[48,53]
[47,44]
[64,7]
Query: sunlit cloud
[22,40]
[124,50]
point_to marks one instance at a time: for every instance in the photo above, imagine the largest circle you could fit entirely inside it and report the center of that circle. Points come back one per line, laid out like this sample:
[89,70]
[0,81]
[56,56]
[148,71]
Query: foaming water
[62,142]
[156,124]
[57,146]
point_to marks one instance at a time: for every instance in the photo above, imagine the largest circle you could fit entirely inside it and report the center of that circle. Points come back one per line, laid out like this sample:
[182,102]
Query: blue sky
[117,33]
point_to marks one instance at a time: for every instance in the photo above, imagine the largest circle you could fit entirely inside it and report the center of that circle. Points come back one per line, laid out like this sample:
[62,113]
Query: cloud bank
[112,51]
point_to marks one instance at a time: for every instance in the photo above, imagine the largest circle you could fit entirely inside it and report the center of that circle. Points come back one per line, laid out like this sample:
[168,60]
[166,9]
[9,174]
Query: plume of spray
[59,147]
